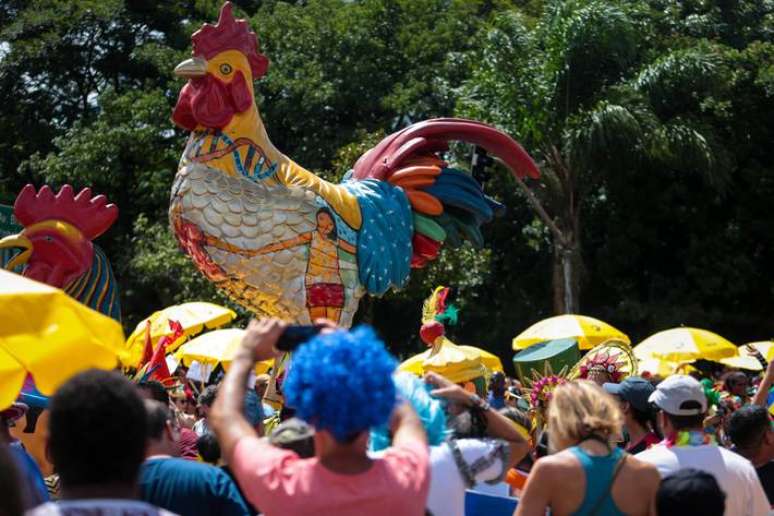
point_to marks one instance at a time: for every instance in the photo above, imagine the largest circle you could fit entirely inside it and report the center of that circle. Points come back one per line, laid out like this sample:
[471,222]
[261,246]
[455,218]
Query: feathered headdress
[436,314]
[436,309]
[612,358]
[541,386]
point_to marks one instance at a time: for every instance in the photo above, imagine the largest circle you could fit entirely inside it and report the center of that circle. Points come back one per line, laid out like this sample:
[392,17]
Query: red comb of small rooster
[91,215]
[230,34]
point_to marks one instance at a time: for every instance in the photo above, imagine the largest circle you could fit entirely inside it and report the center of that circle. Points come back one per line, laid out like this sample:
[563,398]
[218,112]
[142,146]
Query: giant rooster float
[281,241]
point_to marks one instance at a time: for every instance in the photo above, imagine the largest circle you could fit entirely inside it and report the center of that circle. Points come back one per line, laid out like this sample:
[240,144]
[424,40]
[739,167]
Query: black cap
[635,390]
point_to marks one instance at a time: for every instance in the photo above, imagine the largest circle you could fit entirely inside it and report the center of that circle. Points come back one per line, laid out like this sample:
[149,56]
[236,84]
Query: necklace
[690,438]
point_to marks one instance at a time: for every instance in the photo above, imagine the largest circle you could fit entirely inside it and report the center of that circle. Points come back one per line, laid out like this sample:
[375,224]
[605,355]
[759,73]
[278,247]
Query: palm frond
[684,147]
[589,45]
[607,133]
[679,81]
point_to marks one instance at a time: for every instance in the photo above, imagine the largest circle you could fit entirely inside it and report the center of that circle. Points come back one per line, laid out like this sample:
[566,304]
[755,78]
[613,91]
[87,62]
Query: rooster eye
[225,69]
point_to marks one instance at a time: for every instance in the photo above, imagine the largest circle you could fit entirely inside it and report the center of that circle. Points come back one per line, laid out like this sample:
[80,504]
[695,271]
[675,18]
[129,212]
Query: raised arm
[302,239]
[226,417]
[498,426]
[406,427]
[762,394]
[346,246]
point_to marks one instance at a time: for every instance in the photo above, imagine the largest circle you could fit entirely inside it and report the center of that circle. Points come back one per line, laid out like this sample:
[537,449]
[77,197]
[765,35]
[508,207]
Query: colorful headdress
[436,309]
[540,387]
[613,358]
[436,314]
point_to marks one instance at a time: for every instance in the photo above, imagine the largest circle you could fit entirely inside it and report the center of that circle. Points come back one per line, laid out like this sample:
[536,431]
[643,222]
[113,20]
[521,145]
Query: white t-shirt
[201,427]
[735,474]
[447,487]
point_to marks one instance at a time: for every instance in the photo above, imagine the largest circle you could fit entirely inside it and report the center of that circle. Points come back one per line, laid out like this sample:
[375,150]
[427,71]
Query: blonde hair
[578,410]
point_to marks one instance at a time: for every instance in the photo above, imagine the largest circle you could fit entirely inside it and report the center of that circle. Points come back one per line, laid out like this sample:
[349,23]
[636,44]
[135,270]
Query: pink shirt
[278,482]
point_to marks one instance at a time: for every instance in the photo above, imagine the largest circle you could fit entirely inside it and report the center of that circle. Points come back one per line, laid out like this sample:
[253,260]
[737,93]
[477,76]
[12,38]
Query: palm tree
[577,86]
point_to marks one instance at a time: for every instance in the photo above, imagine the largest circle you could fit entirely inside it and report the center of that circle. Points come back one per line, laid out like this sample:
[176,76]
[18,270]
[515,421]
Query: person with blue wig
[340,382]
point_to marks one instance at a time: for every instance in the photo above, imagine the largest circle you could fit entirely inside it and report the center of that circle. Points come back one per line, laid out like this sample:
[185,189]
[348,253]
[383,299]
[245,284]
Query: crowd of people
[354,437]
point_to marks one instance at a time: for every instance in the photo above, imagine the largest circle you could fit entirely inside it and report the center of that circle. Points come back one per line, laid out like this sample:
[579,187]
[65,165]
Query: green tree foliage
[651,120]
[630,105]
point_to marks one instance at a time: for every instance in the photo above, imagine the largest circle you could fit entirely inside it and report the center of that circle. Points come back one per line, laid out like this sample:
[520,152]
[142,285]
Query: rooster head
[226,60]
[58,230]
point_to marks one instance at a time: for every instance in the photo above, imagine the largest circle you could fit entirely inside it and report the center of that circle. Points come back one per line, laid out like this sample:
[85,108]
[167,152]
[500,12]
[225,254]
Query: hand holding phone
[294,336]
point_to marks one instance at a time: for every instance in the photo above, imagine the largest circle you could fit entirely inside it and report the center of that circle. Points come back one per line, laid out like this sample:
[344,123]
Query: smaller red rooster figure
[56,244]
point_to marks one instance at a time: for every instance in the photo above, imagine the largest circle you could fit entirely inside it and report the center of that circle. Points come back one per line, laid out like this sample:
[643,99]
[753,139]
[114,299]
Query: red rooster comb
[91,215]
[230,34]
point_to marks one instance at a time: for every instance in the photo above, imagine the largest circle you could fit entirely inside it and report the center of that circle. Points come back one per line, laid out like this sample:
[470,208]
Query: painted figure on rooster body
[256,223]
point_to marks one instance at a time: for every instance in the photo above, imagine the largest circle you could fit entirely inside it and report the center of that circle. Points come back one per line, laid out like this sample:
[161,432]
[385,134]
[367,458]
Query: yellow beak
[191,68]
[17,242]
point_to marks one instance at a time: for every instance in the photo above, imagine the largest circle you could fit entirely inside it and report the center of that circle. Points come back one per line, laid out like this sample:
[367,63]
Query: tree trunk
[567,269]
[564,226]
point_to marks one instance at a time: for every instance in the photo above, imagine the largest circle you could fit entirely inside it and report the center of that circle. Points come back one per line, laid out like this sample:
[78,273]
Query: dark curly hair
[155,390]
[209,448]
[97,429]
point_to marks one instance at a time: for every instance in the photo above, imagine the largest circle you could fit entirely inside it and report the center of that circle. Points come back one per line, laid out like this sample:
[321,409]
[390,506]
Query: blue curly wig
[429,410]
[342,382]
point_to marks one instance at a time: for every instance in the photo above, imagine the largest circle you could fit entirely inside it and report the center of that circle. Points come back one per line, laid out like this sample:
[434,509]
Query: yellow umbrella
[742,362]
[685,345]
[765,347]
[589,332]
[47,333]
[194,317]
[658,367]
[456,363]
[490,360]
[217,347]
[414,364]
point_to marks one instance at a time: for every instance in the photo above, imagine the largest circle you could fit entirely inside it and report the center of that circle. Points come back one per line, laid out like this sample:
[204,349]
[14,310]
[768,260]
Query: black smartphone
[294,336]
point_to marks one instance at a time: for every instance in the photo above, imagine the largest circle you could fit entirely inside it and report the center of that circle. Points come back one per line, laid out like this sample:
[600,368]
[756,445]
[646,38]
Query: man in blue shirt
[96,440]
[179,485]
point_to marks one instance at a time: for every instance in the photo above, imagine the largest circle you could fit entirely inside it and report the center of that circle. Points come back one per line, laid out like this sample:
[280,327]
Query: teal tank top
[598,470]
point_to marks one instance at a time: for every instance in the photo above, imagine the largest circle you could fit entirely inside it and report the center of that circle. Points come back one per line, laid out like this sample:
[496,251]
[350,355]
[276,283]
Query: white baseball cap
[680,395]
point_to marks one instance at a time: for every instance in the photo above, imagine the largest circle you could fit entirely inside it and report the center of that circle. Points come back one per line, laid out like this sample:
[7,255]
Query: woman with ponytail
[587,474]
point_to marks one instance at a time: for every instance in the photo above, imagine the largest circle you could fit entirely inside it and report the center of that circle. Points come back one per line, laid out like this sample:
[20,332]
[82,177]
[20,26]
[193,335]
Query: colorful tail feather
[447,204]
